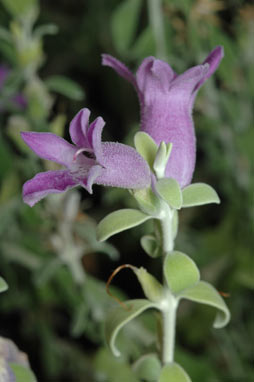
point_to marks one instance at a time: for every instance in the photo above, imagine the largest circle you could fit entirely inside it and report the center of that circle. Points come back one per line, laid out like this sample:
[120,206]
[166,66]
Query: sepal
[205,293]
[198,194]
[119,221]
[146,147]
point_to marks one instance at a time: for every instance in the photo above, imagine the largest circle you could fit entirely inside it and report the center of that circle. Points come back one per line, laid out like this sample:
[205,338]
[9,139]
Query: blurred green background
[56,270]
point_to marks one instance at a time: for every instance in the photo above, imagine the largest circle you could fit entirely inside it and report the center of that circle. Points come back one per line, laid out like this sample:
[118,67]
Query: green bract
[180,272]
[205,293]
[173,373]
[153,290]
[161,159]
[119,221]
[146,147]
[118,317]
[198,194]
[170,191]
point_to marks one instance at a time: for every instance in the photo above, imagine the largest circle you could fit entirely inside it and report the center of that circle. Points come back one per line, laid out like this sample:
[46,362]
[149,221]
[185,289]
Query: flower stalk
[169,311]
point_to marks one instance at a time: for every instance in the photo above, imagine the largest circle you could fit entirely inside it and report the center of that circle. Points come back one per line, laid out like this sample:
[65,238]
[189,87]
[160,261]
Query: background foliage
[56,271]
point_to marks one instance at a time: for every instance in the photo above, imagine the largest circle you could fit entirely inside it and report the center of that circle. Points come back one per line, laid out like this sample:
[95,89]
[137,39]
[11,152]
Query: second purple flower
[166,101]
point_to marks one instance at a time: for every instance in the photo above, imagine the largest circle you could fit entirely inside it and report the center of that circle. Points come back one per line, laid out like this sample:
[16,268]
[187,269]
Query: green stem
[156,21]
[169,323]
[169,311]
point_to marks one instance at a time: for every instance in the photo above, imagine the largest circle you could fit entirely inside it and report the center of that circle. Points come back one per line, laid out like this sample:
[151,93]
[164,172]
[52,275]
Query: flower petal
[94,135]
[124,167]
[185,84]
[46,183]
[213,59]
[50,146]
[154,76]
[93,174]
[79,128]
[119,67]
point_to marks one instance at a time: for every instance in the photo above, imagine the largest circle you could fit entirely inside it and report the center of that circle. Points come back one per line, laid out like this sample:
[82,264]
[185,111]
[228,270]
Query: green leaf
[147,368]
[149,203]
[180,271]
[66,87]
[119,221]
[3,285]
[173,373]
[146,147]
[152,288]
[198,194]
[118,317]
[22,374]
[205,293]
[170,191]
[150,245]
[124,24]
[18,7]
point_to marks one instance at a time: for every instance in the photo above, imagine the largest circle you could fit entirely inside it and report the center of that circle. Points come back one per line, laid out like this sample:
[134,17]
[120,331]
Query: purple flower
[87,161]
[166,101]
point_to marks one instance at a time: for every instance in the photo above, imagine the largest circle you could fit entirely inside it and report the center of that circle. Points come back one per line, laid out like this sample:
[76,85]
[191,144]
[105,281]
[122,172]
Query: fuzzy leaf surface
[119,221]
[118,317]
[198,194]
[146,147]
[205,293]
[180,271]
[170,191]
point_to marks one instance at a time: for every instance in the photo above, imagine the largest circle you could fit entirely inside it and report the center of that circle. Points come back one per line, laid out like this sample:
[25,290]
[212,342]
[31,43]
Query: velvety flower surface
[86,161]
[166,101]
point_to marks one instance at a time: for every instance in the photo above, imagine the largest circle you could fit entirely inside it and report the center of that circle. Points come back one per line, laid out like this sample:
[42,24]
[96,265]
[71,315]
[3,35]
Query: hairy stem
[169,311]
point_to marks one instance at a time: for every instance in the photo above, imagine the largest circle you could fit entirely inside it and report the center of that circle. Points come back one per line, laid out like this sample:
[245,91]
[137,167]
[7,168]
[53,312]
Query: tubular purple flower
[86,162]
[166,101]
